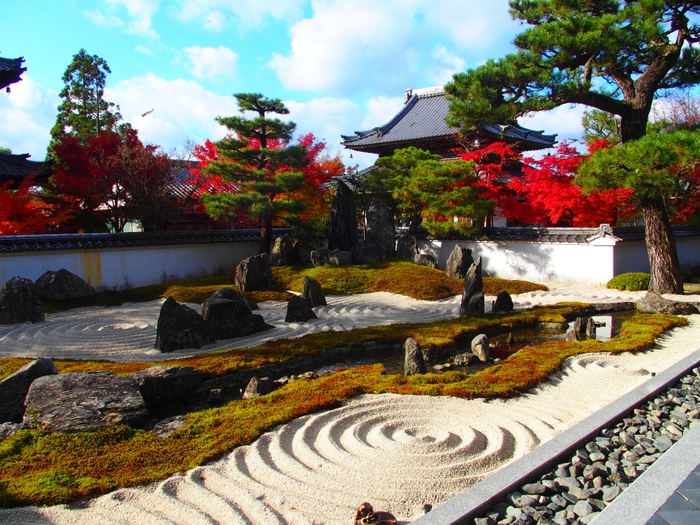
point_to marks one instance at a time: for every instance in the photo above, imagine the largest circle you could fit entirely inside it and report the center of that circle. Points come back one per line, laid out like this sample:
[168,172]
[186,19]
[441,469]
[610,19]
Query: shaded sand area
[397,452]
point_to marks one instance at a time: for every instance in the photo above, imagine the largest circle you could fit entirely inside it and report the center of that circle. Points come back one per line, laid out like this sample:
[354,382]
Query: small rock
[299,310]
[413,360]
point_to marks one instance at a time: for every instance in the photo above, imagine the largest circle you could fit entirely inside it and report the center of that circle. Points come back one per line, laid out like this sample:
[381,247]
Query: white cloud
[565,121]
[210,62]
[444,65]
[347,45]
[139,14]
[182,109]
[380,110]
[27,115]
[212,14]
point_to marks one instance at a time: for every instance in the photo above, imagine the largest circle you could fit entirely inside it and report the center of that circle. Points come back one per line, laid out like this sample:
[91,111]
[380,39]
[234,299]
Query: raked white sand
[397,452]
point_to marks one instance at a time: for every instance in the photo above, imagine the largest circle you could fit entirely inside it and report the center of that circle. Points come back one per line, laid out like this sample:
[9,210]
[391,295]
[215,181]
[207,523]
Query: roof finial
[408,95]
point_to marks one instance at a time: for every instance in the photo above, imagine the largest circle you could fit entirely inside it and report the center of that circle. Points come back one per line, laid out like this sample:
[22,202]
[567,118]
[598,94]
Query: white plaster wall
[688,251]
[119,268]
[537,262]
[631,256]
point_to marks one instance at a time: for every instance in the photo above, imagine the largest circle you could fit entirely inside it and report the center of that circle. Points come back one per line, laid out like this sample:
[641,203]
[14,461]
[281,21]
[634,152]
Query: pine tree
[259,161]
[83,111]
[610,55]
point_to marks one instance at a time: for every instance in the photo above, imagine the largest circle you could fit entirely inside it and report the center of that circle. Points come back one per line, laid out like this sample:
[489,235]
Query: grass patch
[39,468]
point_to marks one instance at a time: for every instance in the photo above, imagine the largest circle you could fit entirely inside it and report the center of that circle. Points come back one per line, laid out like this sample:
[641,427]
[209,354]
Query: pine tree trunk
[266,236]
[661,248]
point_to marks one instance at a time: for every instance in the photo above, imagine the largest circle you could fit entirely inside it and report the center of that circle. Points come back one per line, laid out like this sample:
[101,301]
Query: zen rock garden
[38,395]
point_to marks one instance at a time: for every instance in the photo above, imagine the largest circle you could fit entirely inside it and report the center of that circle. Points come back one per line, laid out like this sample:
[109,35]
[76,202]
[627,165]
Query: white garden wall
[127,266]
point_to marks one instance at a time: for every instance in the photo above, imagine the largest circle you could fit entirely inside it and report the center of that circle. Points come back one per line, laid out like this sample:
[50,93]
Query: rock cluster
[575,491]
[225,315]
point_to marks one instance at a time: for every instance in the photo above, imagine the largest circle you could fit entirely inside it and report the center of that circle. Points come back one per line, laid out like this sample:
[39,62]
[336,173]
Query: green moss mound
[632,281]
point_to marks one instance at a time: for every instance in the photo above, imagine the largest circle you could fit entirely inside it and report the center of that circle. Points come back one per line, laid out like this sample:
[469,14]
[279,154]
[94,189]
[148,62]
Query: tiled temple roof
[16,167]
[422,121]
[10,71]
[86,241]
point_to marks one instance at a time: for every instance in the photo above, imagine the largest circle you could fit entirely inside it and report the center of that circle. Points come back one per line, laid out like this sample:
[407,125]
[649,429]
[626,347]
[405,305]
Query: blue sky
[340,66]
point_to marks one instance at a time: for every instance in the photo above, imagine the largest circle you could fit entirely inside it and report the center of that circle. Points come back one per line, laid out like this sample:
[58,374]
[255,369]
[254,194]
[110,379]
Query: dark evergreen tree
[610,55]
[262,165]
[83,112]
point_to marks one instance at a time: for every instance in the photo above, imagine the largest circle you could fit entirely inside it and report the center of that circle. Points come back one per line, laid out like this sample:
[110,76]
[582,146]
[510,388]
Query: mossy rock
[632,281]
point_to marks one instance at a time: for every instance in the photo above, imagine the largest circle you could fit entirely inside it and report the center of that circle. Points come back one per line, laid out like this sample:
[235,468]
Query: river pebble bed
[576,491]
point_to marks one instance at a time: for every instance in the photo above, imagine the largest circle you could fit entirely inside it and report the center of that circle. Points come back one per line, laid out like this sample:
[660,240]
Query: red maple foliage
[542,191]
[318,172]
[24,212]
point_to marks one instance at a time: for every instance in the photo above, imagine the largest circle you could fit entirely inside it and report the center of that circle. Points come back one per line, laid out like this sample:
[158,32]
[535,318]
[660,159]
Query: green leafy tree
[600,125]
[428,191]
[83,112]
[610,55]
[659,167]
[259,161]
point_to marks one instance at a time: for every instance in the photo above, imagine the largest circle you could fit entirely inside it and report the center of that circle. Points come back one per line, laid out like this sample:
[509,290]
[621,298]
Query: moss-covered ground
[41,468]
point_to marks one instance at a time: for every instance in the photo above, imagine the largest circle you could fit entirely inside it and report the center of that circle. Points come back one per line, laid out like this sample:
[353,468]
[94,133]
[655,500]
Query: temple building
[10,71]
[421,123]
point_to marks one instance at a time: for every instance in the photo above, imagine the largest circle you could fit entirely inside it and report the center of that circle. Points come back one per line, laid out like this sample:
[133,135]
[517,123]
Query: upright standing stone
[342,234]
[282,252]
[254,273]
[381,230]
[458,262]
[473,295]
[591,328]
[413,361]
[13,389]
[406,247]
[312,292]
[19,302]
[480,347]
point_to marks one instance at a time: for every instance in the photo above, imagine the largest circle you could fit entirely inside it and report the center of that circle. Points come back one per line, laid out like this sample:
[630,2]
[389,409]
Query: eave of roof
[10,71]
[422,119]
[16,167]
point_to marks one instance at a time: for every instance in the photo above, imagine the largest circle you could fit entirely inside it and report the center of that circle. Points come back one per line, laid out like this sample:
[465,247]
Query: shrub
[688,276]
[632,281]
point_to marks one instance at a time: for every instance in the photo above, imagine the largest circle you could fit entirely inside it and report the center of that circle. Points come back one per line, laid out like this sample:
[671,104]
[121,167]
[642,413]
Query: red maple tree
[23,211]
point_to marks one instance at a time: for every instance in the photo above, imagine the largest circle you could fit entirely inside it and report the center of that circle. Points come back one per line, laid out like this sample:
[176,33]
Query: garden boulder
[179,326]
[163,385]
[413,358]
[299,310]
[458,262]
[282,253]
[653,303]
[312,292]
[257,387]
[13,389]
[229,313]
[61,285]
[19,302]
[406,247]
[254,273]
[84,402]
[480,347]
[425,259]
[503,303]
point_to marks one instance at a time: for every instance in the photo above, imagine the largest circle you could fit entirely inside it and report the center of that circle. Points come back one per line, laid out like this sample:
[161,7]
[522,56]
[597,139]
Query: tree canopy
[428,191]
[83,111]
[610,55]
[262,165]
[607,54]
